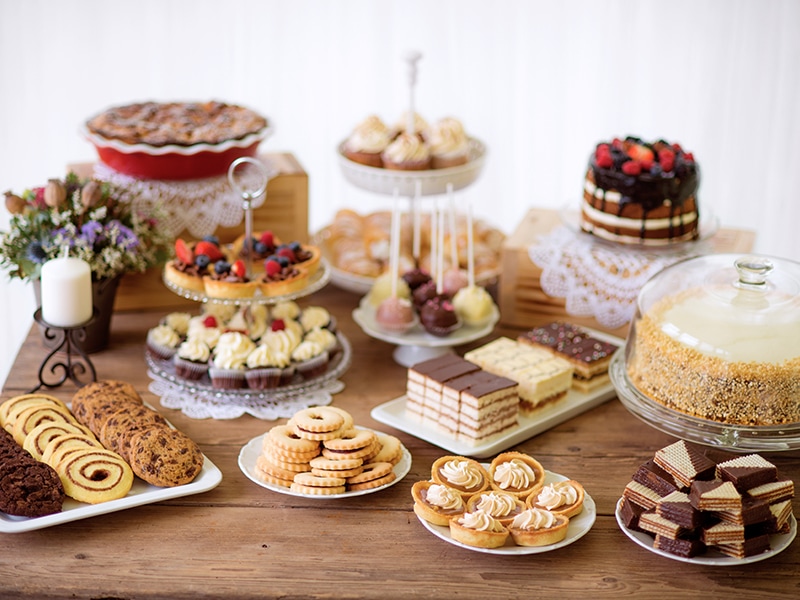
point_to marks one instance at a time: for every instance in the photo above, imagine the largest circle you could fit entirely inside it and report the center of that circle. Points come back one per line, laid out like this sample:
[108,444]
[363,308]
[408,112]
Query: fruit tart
[229,280]
[191,263]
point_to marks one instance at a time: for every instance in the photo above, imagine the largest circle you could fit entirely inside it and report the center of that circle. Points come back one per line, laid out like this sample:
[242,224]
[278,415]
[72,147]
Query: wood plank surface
[243,541]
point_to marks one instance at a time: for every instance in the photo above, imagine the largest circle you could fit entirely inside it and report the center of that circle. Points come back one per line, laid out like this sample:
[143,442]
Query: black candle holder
[67,340]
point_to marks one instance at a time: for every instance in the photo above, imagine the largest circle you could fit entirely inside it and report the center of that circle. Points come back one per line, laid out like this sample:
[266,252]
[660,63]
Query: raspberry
[667,159]
[267,238]
[688,157]
[272,267]
[632,167]
[604,161]
[210,321]
[277,325]
[287,252]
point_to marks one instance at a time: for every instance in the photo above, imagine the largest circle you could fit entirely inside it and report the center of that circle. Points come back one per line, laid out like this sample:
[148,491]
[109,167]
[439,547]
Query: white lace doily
[198,206]
[201,404]
[598,279]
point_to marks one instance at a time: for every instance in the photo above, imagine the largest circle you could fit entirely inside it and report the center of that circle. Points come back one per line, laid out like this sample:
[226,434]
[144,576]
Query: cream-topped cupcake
[178,321]
[407,153]
[310,359]
[162,340]
[282,340]
[314,316]
[449,144]
[288,309]
[323,337]
[267,368]
[227,368]
[191,359]
[367,141]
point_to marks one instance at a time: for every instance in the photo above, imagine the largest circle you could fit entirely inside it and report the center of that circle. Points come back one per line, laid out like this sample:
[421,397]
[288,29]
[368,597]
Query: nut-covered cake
[721,349]
[641,192]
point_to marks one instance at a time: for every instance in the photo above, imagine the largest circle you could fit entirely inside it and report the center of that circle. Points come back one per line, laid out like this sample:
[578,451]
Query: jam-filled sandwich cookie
[336,467]
[372,476]
[317,423]
[308,483]
[391,449]
[353,443]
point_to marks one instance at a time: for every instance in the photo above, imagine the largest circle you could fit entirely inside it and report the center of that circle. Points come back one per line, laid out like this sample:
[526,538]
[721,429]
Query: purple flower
[92,232]
[125,237]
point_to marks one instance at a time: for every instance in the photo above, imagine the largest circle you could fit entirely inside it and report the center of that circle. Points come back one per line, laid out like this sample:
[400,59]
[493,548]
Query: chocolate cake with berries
[639,192]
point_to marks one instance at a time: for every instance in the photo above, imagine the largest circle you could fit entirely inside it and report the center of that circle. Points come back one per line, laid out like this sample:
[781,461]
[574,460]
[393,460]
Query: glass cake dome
[713,352]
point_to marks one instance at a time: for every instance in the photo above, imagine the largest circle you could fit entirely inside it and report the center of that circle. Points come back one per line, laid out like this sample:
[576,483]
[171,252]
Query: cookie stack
[157,453]
[691,503]
[320,451]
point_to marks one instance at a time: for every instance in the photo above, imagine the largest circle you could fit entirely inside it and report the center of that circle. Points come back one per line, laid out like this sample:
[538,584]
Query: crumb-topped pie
[175,140]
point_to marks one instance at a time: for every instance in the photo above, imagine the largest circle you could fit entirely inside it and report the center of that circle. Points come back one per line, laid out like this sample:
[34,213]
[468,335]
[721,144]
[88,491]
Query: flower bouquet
[84,216]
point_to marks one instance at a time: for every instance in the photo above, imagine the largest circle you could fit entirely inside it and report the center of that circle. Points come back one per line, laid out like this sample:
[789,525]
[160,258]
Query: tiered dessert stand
[416,345]
[199,399]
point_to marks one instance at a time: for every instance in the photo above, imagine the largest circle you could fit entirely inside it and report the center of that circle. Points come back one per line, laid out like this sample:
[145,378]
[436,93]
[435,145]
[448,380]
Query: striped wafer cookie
[684,463]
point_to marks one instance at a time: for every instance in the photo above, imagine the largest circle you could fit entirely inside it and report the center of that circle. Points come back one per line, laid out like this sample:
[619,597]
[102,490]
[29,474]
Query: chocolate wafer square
[685,463]
[747,471]
[680,547]
[677,508]
[715,495]
[650,475]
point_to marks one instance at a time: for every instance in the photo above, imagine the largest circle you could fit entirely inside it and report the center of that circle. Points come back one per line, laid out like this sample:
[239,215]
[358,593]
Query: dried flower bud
[14,204]
[55,194]
[91,194]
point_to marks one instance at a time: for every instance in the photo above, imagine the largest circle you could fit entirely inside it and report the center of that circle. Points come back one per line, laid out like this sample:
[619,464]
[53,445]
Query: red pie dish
[176,140]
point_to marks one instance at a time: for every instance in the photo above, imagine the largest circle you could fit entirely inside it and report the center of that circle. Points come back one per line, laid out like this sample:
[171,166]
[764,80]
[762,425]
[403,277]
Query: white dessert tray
[579,525]
[778,543]
[141,493]
[252,450]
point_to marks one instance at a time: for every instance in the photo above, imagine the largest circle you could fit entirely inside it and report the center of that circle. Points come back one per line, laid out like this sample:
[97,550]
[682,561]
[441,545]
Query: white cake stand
[417,345]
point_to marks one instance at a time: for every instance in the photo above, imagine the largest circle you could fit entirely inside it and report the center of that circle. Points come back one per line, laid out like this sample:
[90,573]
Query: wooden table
[243,541]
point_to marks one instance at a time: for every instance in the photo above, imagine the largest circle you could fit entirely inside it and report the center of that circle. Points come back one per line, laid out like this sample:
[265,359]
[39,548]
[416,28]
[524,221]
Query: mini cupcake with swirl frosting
[227,367]
[310,359]
[191,359]
[162,341]
[267,368]
[367,141]
[448,143]
[407,153]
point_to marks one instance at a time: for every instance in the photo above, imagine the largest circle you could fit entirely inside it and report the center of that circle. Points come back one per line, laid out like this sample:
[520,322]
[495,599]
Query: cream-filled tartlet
[561,498]
[436,503]
[479,529]
[501,505]
[465,475]
[538,527]
[516,473]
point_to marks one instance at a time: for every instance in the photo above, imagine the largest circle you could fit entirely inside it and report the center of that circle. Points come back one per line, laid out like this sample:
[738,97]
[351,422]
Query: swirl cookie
[40,436]
[13,406]
[95,475]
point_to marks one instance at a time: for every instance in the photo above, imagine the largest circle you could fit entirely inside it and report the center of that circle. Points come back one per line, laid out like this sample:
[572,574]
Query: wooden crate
[285,212]
[522,301]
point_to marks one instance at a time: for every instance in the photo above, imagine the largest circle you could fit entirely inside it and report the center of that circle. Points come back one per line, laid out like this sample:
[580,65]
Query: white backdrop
[538,81]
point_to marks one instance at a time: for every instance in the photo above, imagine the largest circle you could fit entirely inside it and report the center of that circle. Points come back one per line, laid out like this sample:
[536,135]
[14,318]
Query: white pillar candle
[66,287]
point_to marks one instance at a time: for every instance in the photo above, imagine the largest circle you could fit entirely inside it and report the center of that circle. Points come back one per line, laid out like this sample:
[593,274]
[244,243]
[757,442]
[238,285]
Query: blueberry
[211,238]
[260,248]
[221,266]
[295,246]
[655,169]
[202,261]
[283,261]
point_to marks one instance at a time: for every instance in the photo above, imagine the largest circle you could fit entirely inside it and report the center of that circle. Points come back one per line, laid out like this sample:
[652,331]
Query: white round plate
[579,526]
[778,543]
[252,450]
[364,316]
